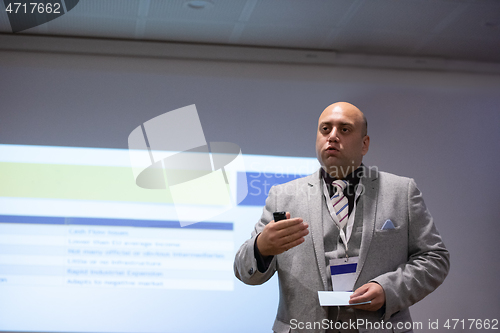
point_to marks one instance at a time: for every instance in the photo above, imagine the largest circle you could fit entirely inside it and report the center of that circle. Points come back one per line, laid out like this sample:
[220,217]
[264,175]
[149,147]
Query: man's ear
[366,145]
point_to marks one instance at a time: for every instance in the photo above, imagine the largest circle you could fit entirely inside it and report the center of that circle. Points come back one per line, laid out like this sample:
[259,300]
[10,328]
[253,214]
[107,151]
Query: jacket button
[250,271]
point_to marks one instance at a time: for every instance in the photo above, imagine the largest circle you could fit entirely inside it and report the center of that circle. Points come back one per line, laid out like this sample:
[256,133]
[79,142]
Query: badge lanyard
[344,236]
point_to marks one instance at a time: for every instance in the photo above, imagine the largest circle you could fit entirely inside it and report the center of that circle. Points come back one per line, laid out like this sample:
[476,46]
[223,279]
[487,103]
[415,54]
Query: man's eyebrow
[344,123]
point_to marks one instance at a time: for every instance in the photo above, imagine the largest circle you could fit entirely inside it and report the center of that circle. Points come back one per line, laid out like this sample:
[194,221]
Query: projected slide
[78,237]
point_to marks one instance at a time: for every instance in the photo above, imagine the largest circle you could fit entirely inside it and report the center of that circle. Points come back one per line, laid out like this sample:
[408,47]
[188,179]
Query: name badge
[343,273]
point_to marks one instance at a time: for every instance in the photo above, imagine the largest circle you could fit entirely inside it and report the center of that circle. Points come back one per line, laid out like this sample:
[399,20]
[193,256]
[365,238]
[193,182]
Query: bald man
[347,227]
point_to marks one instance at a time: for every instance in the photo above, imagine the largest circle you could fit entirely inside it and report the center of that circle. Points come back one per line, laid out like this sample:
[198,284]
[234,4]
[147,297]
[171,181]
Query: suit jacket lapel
[315,207]
[369,196]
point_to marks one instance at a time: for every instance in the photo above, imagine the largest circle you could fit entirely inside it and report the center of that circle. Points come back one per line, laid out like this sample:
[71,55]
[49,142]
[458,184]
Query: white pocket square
[388,225]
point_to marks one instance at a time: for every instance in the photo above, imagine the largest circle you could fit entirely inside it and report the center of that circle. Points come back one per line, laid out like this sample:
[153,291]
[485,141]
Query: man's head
[342,139]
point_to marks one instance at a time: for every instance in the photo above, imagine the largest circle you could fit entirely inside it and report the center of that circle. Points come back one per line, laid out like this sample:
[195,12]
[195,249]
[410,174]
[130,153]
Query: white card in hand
[336,298]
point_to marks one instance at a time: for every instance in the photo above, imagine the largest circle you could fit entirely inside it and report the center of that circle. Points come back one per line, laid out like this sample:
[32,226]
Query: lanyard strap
[344,236]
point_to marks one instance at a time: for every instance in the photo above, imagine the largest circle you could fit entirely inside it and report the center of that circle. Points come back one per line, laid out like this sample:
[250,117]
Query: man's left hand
[371,291]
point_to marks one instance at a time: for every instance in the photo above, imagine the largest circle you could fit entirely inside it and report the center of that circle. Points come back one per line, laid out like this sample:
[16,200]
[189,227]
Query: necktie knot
[339,185]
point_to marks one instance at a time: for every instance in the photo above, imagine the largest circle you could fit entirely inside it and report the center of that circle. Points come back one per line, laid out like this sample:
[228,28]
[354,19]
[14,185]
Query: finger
[294,236]
[365,307]
[365,297]
[279,238]
[293,244]
[283,224]
[298,228]
[373,306]
[361,299]
[370,292]
[360,291]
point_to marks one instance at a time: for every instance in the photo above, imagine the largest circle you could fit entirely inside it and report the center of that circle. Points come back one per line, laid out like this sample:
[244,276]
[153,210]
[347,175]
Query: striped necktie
[339,202]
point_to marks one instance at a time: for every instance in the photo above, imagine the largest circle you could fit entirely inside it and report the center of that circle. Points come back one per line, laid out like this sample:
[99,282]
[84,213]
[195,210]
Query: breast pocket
[389,231]
[390,234]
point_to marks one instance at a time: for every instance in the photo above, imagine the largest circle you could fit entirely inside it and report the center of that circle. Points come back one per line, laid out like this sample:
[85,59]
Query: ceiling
[463,30]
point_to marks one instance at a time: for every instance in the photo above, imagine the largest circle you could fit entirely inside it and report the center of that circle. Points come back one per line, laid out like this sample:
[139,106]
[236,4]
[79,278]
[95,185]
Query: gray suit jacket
[409,262]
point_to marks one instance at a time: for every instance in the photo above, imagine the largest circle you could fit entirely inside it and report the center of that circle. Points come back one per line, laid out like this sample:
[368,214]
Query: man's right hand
[278,237]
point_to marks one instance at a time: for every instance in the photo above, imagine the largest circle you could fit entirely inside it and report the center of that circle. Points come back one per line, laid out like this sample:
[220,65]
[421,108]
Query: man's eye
[345,130]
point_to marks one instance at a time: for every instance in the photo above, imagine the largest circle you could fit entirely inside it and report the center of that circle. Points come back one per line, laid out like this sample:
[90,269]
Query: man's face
[341,142]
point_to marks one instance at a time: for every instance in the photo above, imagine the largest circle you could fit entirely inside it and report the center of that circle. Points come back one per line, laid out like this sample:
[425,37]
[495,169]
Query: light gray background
[440,128]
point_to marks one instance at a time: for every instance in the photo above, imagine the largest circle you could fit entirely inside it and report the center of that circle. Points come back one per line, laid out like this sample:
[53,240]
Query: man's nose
[333,135]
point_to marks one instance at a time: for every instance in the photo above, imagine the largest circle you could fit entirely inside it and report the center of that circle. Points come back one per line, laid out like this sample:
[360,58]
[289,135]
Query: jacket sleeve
[245,263]
[428,260]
